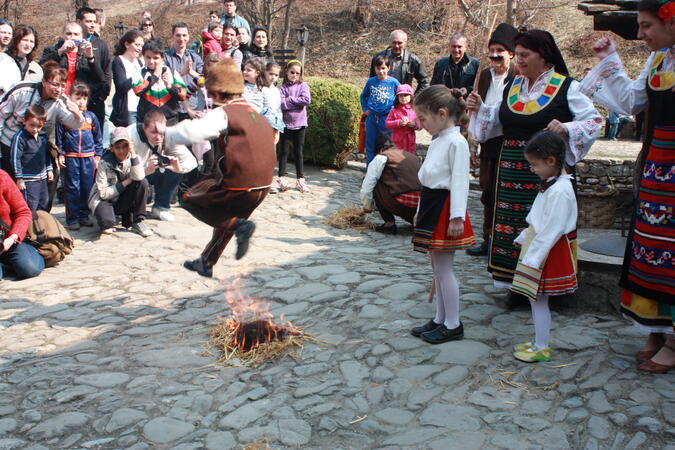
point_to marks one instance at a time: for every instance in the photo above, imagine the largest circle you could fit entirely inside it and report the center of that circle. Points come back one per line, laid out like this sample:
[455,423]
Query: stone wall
[605,189]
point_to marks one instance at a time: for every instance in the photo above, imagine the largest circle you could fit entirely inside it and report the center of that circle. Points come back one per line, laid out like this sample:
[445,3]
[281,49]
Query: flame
[250,322]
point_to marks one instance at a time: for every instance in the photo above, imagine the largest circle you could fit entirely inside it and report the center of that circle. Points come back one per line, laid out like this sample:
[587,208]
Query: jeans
[374,125]
[23,260]
[165,183]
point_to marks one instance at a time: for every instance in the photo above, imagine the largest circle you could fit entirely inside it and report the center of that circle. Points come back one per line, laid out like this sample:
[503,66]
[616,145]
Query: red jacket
[13,208]
[211,44]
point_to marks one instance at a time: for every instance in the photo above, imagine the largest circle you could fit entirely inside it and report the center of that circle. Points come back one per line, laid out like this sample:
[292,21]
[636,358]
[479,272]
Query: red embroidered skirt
[433,218]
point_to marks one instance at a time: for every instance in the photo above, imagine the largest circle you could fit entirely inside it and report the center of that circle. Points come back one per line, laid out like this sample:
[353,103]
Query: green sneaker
[533,355]
[524,346]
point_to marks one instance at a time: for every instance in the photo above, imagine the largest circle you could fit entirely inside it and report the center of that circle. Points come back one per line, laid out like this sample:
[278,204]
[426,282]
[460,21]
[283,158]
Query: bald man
[403,65]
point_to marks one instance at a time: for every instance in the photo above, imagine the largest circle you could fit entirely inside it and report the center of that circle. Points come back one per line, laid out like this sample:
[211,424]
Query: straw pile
[353,218]
[222,338]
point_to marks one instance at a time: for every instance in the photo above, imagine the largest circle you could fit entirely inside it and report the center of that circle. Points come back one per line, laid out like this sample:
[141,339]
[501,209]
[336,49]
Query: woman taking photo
[542,97]
[17,63]
[648,273]
[125,64]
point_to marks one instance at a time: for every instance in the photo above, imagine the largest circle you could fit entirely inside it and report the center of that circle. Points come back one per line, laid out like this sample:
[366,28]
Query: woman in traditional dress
[648,273]
[543,96]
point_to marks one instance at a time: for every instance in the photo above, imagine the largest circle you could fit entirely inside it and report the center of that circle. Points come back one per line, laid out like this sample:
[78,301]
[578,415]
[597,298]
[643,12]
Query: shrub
[333,122]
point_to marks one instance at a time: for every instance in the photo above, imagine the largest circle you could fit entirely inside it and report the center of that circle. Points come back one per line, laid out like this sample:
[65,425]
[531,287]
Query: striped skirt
[557,277]
[516,188]
[648,275]
[433,218]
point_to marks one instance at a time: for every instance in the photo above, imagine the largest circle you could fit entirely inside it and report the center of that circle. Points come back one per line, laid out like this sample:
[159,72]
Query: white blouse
[609,85]
[553,214]
[130,68]
[446,166]
[373,174]
[582,131]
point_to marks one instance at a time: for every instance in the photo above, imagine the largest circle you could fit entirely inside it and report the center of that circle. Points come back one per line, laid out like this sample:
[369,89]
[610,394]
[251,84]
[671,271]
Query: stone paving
[107,350]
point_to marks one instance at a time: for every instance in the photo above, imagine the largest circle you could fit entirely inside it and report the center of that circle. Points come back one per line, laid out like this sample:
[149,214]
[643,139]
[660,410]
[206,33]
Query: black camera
[162,161]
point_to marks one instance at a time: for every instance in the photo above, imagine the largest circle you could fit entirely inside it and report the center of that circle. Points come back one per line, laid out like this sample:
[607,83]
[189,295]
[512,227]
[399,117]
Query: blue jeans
[165,184]
[374,125]
[23,260]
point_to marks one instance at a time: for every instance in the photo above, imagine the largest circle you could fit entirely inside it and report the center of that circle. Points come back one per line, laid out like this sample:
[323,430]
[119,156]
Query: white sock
[440,307]
[447,288]
[541,315]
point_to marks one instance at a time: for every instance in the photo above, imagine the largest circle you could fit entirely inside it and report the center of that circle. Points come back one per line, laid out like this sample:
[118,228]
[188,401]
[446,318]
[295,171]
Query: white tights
[541,316]
[447,289]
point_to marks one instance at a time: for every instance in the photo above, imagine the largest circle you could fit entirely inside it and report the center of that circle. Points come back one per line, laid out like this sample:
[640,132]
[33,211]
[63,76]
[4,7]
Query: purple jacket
[294,100]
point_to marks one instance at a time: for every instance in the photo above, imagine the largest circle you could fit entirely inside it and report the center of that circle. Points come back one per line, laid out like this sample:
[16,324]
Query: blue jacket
[83,142]
[28,155]
[378,95]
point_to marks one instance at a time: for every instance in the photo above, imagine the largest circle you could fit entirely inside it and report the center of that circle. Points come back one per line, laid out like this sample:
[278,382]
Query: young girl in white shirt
[442,224]
[546,265]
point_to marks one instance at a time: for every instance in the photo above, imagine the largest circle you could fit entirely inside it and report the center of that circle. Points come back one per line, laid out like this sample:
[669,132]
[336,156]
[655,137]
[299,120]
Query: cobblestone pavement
[106,350]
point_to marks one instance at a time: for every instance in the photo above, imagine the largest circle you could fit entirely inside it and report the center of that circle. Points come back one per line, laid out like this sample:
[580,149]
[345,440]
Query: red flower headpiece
[667,11]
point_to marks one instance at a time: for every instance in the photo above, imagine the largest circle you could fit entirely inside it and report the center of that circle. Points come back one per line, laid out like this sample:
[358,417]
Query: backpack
[49,237]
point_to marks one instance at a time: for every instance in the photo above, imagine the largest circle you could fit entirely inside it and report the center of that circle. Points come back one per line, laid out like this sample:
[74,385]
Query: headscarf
[542,42]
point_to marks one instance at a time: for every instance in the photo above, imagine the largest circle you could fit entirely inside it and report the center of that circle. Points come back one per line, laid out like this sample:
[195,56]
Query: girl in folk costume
[546,265]
[442,224]
[543,96]
[402,120]
[648,274]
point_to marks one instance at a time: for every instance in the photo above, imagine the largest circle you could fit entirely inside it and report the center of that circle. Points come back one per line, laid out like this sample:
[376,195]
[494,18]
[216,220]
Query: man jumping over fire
[245,165]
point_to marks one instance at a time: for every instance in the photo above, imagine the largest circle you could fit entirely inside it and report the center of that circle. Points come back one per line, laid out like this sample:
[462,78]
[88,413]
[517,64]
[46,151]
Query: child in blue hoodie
[79,152]
[377,99]
[29,160]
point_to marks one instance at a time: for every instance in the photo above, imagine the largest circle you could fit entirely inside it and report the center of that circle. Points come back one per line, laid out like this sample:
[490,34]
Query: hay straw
[358,419]
[221,339]
[353,218]
[260,444]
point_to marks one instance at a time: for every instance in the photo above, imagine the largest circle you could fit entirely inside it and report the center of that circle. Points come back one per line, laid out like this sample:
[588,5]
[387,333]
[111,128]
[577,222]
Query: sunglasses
[149,24]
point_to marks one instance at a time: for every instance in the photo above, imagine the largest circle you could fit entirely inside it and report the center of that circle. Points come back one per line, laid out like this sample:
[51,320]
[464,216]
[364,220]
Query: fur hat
[225,78]
[504,34]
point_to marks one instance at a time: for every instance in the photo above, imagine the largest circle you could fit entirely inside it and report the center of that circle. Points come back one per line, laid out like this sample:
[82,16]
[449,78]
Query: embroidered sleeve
[485,124]
[585,127]
[608,85]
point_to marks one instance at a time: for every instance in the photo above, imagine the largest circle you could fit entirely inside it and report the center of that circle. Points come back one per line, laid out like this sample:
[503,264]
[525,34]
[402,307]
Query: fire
[250,323]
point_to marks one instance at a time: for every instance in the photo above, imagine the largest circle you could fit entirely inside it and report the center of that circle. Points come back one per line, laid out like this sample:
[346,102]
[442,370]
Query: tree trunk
[363,16]
[287,23]
[510,11]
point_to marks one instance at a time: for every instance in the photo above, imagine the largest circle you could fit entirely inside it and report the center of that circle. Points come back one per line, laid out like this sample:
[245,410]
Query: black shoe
[86,222]
[243,231]
[478,250]
[199,266]
[391,229]
[441,334]
[514,300]
[417,331]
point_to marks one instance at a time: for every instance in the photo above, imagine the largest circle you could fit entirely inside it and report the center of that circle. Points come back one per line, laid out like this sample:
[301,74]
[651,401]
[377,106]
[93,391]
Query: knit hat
[542,42]
[119,134]
[504,34]
[404,89]
[225,78]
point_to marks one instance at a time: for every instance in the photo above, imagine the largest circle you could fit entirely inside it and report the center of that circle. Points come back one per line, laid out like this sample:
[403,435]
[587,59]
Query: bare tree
[265,12]
[363,16]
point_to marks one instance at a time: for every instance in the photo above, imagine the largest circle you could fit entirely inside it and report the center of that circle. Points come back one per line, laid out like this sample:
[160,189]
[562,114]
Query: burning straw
[349,218]
[249,336]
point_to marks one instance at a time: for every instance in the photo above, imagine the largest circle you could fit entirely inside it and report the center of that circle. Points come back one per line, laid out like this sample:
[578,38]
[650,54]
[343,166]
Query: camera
[162,161]
[77,42]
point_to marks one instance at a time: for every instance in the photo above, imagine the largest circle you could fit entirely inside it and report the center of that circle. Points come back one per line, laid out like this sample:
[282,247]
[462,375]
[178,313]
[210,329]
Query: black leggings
[298,139]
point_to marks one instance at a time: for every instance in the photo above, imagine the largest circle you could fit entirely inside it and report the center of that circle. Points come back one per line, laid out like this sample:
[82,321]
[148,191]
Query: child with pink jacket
[402,120]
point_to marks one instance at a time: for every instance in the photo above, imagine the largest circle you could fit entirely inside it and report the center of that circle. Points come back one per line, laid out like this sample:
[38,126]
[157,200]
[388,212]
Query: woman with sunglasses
[17,63]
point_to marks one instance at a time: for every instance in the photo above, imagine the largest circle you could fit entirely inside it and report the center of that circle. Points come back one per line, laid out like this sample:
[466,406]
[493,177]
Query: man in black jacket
[92,63]
[403,65]
[458,70]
